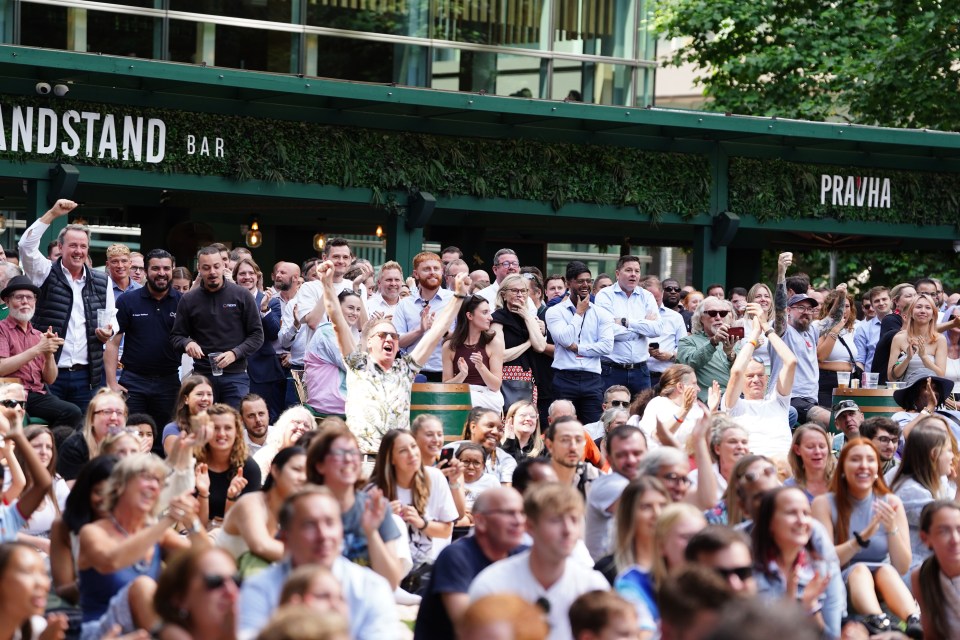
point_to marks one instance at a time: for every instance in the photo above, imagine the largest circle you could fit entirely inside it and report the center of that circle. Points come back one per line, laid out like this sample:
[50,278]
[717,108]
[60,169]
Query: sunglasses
[672,289]
[620,403]
[383,335]
[713,313]
[753,476]
[212,582]
[743,573]
[13,404]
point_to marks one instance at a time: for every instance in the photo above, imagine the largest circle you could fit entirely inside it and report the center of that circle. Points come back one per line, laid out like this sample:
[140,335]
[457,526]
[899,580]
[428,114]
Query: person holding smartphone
[709,349]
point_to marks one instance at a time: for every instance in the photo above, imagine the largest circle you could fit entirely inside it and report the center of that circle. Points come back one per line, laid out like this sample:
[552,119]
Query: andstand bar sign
[92,134]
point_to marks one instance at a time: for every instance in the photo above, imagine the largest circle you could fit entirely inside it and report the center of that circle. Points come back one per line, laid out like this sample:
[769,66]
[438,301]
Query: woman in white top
[668,418]
[288,429]
[419,495]
[728,443]
[836,350]
[936,584]
[37,530]
[760,294]
[918,345]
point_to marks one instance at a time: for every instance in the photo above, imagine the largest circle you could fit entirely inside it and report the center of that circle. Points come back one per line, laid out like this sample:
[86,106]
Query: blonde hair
[301,622]
[126,470]
[796,463]
[669,517]
[92,408]
[117,249]
[537,437]
[512,281]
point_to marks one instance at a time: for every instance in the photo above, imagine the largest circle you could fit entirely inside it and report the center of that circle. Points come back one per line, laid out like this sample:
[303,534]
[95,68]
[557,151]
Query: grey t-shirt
[806,381]
[604,491]
[354,540]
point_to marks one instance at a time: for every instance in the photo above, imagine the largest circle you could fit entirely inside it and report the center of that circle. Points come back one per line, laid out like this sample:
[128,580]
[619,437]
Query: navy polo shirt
[146,324]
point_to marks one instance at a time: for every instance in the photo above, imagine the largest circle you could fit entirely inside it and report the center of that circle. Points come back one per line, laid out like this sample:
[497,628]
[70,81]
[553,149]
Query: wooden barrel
[872,402]
[449,402]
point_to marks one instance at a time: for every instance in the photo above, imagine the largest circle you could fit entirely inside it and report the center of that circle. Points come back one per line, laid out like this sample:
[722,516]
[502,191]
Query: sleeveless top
[860,516]
[465,351]
[96,589]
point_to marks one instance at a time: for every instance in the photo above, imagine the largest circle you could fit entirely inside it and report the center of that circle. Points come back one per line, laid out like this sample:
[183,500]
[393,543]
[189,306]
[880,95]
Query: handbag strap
[849,352]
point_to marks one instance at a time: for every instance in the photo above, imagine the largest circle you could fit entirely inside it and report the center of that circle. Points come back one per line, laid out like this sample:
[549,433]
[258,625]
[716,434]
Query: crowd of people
[219,456]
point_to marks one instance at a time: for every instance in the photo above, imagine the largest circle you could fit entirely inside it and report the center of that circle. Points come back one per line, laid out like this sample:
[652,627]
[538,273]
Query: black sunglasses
[13,404]
[672,289]
[713,313]
[213,582]
[744,573]
[620,403]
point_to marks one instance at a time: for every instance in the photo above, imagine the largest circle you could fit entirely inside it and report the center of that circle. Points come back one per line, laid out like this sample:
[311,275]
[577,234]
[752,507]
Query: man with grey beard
[27,354]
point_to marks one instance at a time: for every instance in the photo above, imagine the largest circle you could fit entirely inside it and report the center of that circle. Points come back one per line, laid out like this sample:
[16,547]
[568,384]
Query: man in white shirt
[256,422]
[71,294]
[312,533]
[616,396]
[387,297]
[292,346]
[663,348]
[505,262]
[451,270]
[625,446]
[545,575]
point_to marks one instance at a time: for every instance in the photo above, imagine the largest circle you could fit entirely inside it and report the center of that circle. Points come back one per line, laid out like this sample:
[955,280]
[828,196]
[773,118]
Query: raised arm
[340,325]
[739,368]
[41,480]
[835,318]
[780,294]
[431,338]
[787,357]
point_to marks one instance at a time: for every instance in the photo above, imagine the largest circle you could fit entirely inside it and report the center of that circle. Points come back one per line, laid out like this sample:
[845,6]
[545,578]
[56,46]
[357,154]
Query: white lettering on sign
[204,149]
[88,133]
[855,191]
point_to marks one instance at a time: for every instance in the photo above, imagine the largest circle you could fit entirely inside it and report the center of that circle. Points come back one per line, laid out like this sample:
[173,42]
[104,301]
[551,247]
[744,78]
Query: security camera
[43,89]
[956,246]
[60,90]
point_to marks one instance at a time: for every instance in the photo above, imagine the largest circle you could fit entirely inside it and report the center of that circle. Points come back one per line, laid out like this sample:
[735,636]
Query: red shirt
[14,340]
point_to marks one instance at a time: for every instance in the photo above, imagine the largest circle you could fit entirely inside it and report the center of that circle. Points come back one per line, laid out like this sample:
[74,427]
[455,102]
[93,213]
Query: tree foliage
[877,62]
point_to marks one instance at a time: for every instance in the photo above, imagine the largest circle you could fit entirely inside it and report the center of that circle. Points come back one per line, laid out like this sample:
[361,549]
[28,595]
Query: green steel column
[37,205]
[402,243]
[709,261]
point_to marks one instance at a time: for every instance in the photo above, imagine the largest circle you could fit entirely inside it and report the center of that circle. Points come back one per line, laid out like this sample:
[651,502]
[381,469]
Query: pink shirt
[13,341]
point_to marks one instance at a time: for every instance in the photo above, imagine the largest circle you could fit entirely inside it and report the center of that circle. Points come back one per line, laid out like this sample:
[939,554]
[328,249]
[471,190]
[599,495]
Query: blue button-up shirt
[117,291]
[630,342]
[592,333]
[866,336]
[673,330]
[406,318]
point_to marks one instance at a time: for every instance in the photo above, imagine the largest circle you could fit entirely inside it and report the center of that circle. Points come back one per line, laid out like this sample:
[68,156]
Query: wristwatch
[623,322]
[860,541]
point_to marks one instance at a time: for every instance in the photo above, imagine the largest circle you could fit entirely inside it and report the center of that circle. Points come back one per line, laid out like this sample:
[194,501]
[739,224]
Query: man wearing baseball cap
[847,417]
[28,354]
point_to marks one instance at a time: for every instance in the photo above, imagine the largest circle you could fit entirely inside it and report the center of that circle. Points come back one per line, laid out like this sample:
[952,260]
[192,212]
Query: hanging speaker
[63,182]
[420,207]
[725,225]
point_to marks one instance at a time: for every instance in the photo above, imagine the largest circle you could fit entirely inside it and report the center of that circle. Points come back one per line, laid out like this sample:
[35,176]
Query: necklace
[141,565]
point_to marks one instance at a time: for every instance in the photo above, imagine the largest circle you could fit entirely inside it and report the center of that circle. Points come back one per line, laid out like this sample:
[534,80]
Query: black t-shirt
[454,570]
[889,326]
[72,455]
[220,482]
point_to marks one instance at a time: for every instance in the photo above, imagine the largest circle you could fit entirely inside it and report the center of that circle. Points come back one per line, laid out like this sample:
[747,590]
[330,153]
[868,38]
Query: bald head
[286,276]
[499,521]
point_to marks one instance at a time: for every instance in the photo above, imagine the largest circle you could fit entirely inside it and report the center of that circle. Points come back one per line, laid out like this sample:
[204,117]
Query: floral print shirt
[378,400]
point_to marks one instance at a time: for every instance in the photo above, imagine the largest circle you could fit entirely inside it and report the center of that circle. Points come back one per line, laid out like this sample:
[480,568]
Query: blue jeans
[230,388]
[73,386]
[636,379]
[584,389]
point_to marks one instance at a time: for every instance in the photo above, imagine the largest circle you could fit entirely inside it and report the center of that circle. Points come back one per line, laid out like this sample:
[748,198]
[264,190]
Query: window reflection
[494,73]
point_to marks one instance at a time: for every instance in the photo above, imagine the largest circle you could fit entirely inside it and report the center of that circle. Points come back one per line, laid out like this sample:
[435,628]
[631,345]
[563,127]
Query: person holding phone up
[709,349]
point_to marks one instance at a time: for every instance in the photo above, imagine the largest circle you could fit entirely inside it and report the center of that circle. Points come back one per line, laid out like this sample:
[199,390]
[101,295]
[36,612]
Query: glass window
[123,35]
[591,82]
[272,10]
[595,27]
[496,73]
[43,25]
[150,4]
[396,17]
[381,62]
[234,47]
[498,22]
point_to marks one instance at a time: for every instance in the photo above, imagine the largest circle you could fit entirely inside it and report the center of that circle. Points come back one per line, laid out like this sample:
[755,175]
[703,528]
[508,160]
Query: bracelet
[766,334]
[203,496]
[455,485]
[460,296]
[863,544]
[679,420]
[894,531]
[756,345]
[426,523]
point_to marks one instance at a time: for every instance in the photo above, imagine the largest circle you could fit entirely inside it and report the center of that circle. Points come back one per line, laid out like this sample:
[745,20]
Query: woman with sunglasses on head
[427,430]
[250,528]
[379,378]
[811,462]
[121,443]
[196,394]
[106,412]
[524,336]
[119,556]
[473,354]
[871,536]
[371,536]
[324,372]
[197,596]
[921,478]
[918,345]
[935,583]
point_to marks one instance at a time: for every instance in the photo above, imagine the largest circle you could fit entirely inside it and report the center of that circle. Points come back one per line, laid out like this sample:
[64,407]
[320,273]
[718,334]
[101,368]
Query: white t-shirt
[666,410]
[766,422]
[42,518]
[472,490]
[604,491]
[513,575]
[721,483]
[440,508]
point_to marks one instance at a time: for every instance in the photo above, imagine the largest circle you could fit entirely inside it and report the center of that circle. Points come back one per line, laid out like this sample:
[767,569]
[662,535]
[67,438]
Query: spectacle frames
[136,269]
[345,454]
[24,297]
[109,412]
[506,512]
[753,476]
[383,335]
[804,309]
[713,313]
[743,573]
[212,582]
[676,478]
[509,263]
[13,404]
[887,439]
[515,292]
[471,463]
[672,289]
[620,403]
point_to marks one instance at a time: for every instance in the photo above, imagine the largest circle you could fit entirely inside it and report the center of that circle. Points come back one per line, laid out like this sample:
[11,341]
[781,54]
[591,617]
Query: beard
[280,285]
[153,286]
[22,316]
